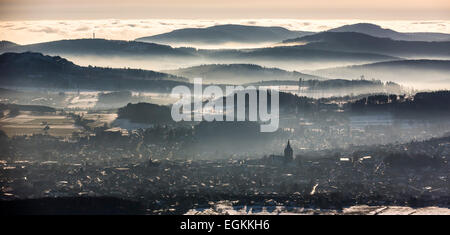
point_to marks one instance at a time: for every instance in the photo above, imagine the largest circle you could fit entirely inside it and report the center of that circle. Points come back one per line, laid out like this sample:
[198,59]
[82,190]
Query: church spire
[288,152]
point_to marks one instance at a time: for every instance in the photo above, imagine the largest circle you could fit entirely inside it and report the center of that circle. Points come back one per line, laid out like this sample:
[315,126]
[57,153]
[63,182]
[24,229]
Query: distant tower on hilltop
[300,84]
[288,152]
[93,35]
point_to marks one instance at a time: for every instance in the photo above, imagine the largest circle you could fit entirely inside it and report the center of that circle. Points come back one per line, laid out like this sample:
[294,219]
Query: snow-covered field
[226,208]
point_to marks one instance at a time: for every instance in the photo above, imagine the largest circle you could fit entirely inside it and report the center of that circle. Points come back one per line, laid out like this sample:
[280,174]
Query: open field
[27,123]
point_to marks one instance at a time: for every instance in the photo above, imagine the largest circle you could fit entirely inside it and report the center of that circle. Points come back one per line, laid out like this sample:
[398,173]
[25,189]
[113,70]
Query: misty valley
[363,123]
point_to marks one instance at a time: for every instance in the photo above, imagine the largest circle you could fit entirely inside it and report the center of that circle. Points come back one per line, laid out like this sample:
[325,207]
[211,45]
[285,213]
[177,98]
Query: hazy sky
[224,9]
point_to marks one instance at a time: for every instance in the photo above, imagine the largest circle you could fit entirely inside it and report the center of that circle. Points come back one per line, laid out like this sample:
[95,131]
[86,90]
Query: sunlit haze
[214,9]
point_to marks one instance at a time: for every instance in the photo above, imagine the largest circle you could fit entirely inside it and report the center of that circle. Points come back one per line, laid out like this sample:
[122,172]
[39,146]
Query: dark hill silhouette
[363,43]
[146,113]
[423,104]
[324,84]
[434,65]
[99,47]
[377,31]
[238,73]
[7,44]
[220,34]
[37,70]
[293,53]
[411,71]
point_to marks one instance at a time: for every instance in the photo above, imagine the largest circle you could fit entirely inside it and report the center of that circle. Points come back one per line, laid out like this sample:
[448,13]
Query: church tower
[288,152]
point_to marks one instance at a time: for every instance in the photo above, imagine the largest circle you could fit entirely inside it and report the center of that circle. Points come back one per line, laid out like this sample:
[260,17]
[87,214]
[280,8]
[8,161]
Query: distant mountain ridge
[359,38]
[419,64]
[98,47]
[238,73]
[432,65]
[427,73]
[37,70]
[363,43]
[292,53]
[7,44]
[229,33]
[377,31]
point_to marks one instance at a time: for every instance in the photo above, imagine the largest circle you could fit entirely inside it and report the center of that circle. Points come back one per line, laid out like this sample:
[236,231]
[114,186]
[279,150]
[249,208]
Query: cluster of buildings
[357,175]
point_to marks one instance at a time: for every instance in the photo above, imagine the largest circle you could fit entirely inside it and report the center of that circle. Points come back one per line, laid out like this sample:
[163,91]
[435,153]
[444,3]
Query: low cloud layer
[27,32]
